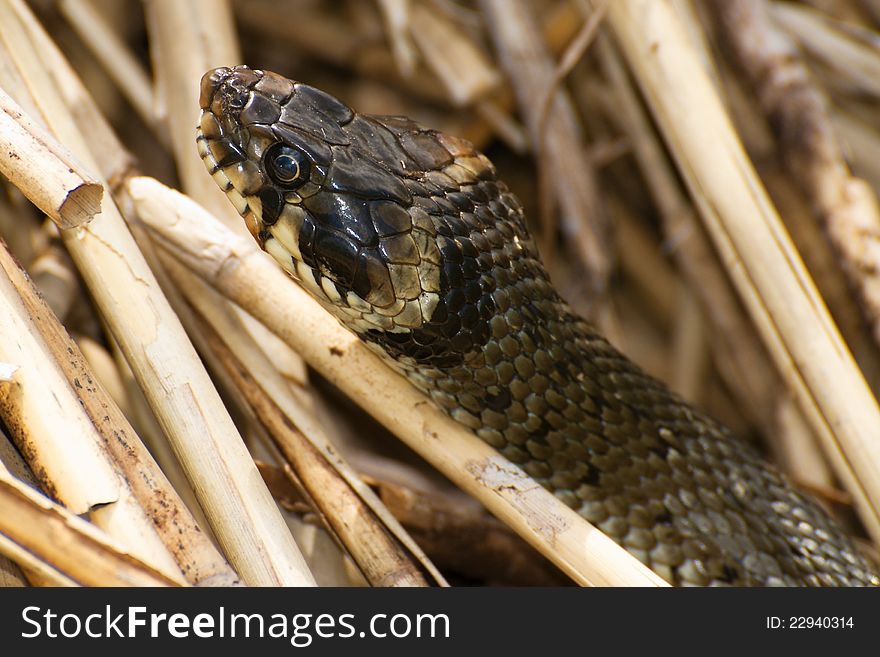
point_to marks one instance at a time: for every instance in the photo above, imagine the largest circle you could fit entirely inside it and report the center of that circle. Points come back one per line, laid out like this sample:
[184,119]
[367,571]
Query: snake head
[258,160]
[394,227]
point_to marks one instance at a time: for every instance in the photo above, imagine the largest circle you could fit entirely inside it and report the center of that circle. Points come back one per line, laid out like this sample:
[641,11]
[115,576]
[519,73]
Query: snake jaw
[223,181]
[221,144]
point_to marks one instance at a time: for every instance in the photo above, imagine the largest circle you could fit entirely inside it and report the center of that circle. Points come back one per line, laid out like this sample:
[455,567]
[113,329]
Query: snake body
[407,236]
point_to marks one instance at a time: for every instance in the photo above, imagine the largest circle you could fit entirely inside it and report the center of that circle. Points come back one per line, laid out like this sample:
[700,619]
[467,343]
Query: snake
[407,236]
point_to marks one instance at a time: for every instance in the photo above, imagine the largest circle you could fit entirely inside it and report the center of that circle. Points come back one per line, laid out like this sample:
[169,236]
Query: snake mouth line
[224,182]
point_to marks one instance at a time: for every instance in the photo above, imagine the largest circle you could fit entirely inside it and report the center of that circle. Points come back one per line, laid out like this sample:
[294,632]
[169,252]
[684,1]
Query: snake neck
[508,358]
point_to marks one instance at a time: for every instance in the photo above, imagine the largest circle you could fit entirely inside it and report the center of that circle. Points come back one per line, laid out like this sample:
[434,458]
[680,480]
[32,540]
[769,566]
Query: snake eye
[287,167]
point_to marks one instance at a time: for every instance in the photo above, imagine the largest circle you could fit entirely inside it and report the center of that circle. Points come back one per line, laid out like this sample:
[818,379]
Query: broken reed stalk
[64,450]
[194,553]
[33,528]
[232,331]
[243,514]
[747,231]
[43,170]
[231,265]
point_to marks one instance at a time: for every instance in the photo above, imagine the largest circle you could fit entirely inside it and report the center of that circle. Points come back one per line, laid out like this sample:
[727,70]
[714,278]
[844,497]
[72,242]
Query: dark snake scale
[407,236]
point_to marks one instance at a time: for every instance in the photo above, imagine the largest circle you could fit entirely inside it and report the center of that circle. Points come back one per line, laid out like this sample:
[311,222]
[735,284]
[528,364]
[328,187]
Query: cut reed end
[81,204]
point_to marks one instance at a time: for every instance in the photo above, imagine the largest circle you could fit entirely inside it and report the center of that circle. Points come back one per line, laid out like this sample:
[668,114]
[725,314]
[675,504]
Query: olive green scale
[409,238]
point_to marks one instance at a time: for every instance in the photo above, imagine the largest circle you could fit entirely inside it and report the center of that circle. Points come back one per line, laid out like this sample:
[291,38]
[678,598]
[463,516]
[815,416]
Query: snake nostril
[210,83]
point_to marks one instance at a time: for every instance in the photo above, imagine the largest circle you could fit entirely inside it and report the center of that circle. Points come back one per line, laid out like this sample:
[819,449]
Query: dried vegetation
[702,177]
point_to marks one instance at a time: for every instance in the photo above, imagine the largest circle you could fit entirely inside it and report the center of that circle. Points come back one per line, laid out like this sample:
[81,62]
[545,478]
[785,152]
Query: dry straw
[43,170]
[747,231]
[241,510]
